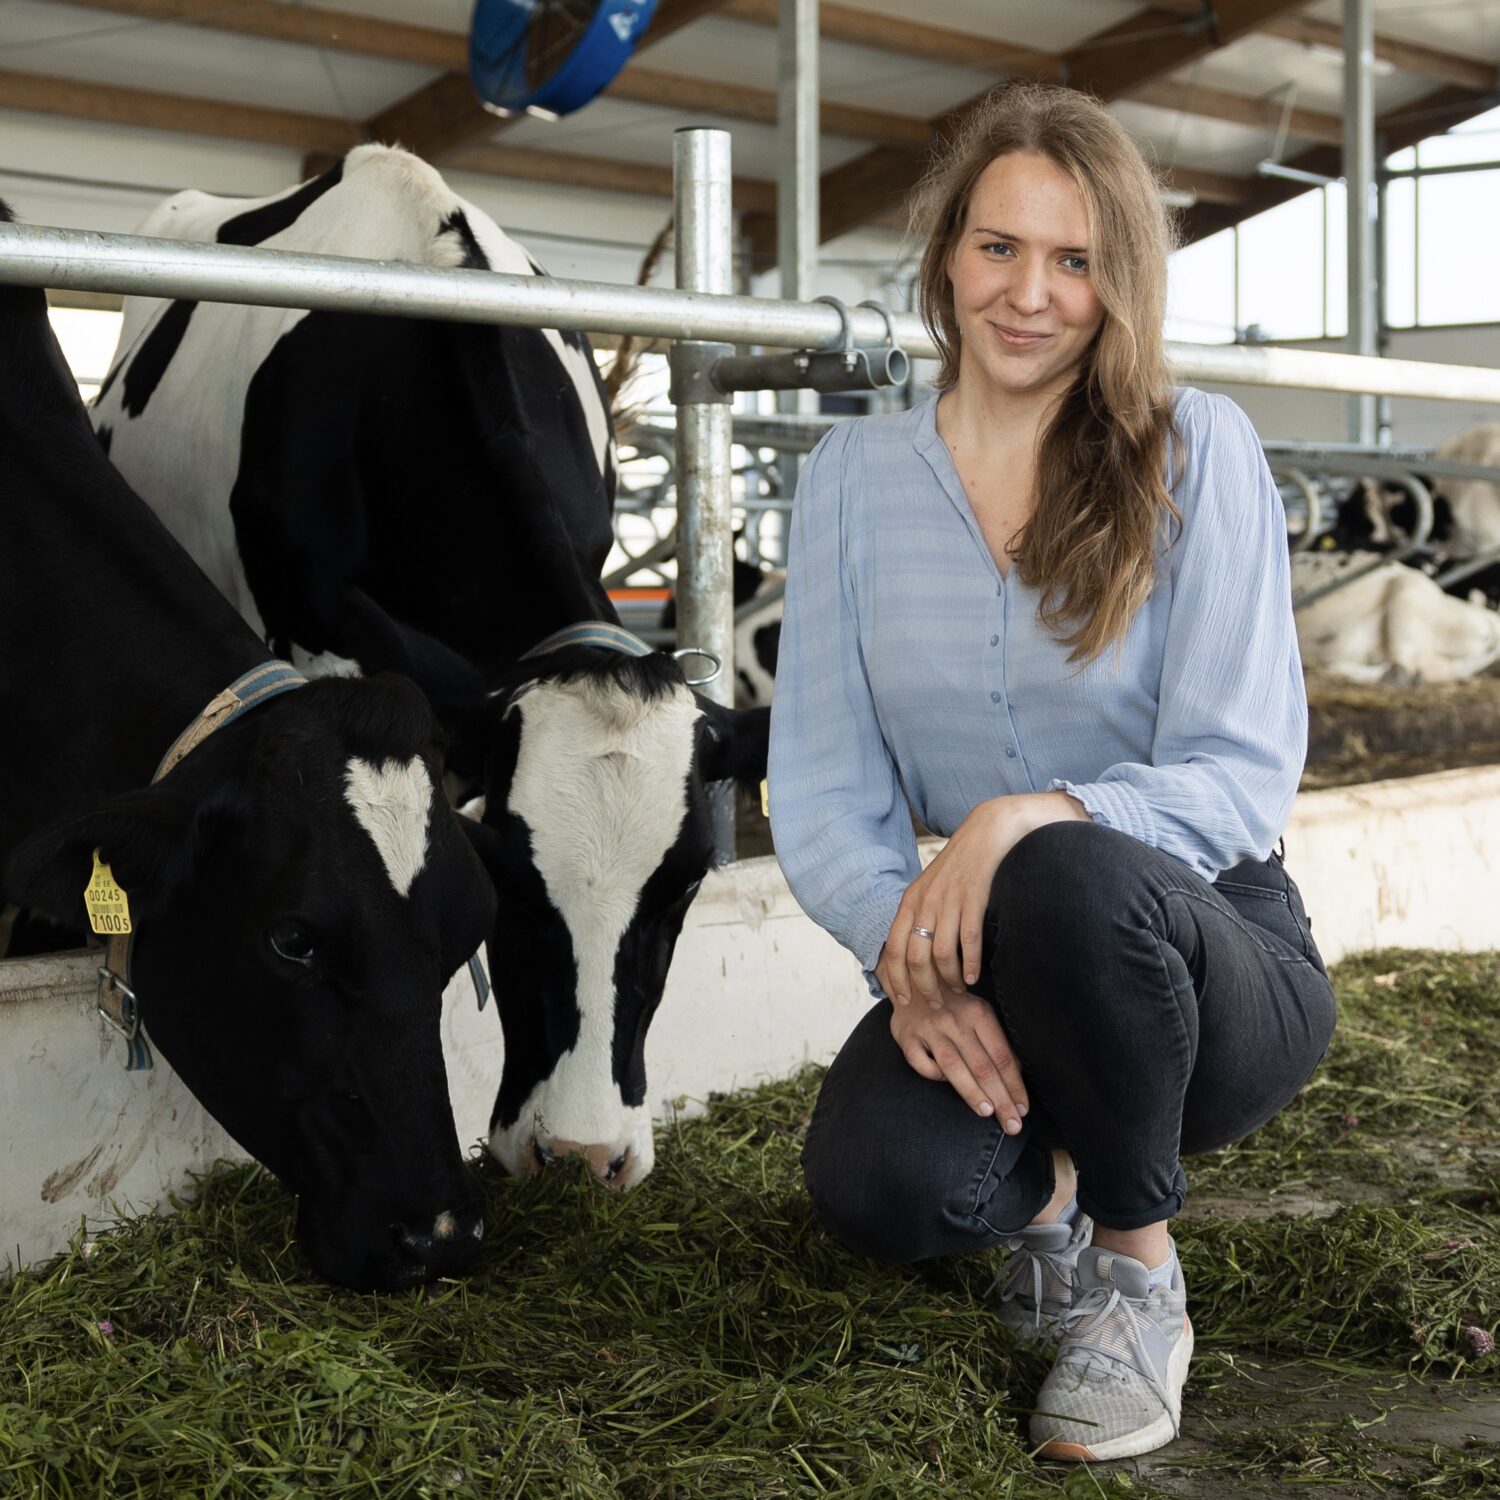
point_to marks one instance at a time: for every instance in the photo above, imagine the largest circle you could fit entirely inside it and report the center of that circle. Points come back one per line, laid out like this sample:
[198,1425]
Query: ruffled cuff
[1115,804]
[871,925]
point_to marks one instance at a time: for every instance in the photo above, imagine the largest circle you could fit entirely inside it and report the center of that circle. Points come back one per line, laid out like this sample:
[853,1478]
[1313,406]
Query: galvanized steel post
[1363,203]
[705,539]
[798,129]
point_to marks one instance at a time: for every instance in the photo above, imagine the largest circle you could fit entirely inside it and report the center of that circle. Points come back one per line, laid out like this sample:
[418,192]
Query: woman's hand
[949,898]
[964,1043]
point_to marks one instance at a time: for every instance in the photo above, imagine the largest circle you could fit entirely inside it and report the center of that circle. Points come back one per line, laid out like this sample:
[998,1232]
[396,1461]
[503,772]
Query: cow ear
[151,840]
[452,683]
[736,743]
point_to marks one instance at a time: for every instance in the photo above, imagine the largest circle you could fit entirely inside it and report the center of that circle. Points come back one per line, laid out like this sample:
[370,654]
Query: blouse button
[994,640]
[994,697]
[1010,751]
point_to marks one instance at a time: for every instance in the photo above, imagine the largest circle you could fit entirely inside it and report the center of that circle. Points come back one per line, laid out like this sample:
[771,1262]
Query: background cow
[299,890]
[392,492]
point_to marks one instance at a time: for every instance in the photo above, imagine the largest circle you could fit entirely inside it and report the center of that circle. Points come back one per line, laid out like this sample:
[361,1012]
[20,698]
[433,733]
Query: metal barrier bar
[131,264]
[705,536]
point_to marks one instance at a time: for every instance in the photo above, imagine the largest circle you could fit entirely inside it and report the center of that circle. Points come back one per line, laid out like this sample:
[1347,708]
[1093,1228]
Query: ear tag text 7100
[106,902]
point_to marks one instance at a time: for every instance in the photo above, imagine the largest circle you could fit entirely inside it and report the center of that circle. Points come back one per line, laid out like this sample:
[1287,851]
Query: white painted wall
[756,991]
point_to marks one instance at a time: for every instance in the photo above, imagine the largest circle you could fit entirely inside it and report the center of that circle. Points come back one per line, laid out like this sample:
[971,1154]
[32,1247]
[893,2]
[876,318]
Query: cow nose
[445,1246]
[605,1164]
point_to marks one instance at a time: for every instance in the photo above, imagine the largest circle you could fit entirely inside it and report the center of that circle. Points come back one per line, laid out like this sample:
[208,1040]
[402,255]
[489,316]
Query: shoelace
[1026,1264]
[1095,1308]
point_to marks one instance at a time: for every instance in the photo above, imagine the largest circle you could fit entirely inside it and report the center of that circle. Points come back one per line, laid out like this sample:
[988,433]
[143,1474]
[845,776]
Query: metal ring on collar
[702,651]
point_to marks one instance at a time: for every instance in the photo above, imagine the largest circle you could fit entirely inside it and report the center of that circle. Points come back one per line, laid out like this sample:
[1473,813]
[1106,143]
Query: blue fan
[551,55]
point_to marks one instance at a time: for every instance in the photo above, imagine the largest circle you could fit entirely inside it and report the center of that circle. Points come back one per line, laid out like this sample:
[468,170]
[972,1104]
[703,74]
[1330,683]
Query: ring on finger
[922,932]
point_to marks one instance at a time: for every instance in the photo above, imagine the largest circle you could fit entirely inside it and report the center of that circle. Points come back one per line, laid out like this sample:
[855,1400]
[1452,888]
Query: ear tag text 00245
[106,902]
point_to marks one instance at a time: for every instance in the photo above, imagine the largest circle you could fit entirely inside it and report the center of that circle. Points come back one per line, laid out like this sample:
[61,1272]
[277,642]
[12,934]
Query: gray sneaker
[1116,1389]
[1036,1283]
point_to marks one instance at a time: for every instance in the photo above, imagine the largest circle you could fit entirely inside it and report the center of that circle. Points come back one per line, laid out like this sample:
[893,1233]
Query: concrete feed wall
[756,991]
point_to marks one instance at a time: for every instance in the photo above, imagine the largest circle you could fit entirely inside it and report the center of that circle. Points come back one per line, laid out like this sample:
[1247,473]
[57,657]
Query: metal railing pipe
[78,260]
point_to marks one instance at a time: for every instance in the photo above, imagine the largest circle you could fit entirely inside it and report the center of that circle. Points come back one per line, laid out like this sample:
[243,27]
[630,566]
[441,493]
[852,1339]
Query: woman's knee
[1067,900]
[1064,874]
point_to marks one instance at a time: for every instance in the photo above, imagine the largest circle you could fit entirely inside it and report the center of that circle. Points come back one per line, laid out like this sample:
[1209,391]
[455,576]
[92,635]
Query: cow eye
[291,941]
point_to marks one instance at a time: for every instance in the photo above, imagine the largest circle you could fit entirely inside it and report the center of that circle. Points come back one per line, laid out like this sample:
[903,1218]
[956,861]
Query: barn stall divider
[756,989]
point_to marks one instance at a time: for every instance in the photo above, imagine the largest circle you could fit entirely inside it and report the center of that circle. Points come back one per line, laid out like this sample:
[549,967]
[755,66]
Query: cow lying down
[436,497]
[1393,625]
[299,891]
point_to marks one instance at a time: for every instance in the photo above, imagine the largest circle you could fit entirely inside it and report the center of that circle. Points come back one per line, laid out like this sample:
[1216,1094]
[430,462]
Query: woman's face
[1022,293]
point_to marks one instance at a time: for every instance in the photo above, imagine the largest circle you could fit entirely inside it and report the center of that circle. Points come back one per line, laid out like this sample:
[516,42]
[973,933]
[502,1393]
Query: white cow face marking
[393,803]
[601,782]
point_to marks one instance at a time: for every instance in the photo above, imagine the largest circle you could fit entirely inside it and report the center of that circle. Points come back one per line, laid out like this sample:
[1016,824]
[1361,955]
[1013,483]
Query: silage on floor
[702,1337]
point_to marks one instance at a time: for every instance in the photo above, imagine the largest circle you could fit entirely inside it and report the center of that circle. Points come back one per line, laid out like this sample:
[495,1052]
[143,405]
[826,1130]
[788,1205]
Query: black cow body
[382,492]
[281,968]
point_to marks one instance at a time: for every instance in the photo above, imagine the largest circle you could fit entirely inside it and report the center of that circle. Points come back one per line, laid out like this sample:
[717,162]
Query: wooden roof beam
[1137,51]
[328,138]
[303,25]
[1238,109]
[1207,187]
[111,105]
[1410,57]
[369,36]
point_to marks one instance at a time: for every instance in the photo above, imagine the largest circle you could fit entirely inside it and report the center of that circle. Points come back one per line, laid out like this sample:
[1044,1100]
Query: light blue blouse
[910,668]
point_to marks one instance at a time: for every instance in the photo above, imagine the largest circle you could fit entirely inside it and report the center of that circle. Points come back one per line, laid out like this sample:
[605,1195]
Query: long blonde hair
[1090,545]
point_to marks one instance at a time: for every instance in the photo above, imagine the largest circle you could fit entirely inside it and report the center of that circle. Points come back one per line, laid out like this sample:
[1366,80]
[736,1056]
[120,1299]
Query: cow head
[1382,518]
[596,827]
[301,892]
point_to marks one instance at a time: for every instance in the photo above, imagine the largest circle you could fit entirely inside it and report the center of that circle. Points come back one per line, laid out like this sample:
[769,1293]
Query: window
[1458,220]
[1284,272]
[1200,291]
[1281,270]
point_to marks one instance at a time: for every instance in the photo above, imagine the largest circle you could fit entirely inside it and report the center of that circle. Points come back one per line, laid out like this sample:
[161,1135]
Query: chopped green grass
[701,1337]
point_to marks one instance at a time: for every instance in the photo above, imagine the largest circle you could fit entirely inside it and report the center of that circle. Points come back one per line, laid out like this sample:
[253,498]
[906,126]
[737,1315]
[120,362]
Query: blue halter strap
[116,1000]
[598,633]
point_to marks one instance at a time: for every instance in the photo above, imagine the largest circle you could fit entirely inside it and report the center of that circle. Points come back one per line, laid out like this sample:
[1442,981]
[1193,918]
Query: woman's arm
[1231,726]
[839,816]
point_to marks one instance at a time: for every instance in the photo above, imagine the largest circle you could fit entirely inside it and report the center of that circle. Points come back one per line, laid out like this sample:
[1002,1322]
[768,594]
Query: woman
[1050,610]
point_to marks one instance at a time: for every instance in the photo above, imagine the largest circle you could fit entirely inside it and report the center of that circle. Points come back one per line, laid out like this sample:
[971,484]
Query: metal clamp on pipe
[853,367]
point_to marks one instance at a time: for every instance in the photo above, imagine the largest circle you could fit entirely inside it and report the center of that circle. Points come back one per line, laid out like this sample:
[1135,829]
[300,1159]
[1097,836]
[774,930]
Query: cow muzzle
[526,1148]
[447,1246]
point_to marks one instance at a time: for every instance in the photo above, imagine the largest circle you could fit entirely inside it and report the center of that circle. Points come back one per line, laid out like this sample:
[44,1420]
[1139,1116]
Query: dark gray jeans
[1153,1015]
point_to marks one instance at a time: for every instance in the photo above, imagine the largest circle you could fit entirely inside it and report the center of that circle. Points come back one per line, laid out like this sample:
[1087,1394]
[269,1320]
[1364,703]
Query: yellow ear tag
[108,906]
[765,798]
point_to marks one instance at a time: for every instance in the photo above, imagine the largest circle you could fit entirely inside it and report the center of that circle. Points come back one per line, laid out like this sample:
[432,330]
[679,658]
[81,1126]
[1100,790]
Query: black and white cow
[335,473]
[1393,623]
[299,889]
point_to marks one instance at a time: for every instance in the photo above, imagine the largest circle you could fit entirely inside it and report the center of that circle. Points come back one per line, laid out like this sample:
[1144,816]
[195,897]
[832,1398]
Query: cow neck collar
[116,1000]
[610,637]
[600,633]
